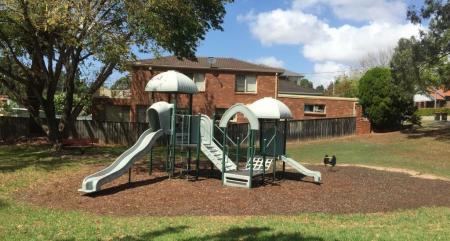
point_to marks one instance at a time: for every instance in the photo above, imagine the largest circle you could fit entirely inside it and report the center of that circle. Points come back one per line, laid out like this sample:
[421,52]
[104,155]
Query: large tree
[123,83]
[407,70]
[433,51]
[42,39]
[305,83]
[384,102]
[344,86]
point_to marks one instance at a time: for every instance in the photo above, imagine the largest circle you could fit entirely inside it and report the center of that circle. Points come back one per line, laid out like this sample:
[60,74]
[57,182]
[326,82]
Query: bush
[431,111]
[385,104]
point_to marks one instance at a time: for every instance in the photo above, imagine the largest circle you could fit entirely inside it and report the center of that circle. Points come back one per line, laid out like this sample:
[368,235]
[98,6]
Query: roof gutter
[277,71]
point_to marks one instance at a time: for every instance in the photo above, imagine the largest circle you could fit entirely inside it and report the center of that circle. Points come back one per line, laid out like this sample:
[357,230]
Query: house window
[199,80]
[245,83]
[319,109]
[117,113]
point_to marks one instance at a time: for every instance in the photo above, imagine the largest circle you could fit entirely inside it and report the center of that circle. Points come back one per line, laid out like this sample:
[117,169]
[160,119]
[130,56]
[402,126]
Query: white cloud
[326,72]
[329,47]
[270,61]
[393,11]
[284,27]
[349,44]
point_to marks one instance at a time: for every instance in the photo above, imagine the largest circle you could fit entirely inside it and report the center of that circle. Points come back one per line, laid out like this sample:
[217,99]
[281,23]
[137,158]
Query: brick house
[222,82]
[438,98]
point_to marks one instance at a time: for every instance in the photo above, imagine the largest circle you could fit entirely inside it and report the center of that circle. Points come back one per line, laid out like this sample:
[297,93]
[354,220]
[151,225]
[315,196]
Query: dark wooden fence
[126,133]
[320,128]
[298,130]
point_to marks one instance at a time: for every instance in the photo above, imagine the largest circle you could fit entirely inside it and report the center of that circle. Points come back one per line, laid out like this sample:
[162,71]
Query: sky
[319,38]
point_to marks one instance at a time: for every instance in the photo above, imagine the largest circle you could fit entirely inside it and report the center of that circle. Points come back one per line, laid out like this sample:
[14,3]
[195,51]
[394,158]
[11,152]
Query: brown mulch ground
[345,190]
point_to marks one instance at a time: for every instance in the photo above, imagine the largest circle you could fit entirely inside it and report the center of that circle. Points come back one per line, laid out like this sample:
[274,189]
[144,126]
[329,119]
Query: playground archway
[243,109]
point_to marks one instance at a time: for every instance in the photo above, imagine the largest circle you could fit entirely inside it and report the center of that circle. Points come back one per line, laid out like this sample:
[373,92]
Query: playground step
[210,149]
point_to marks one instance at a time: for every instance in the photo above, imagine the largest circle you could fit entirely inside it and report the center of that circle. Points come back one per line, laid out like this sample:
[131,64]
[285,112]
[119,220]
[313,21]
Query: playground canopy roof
[269,108]
[171,82]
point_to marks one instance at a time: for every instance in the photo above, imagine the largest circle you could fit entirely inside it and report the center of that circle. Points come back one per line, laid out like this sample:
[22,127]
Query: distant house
[433,99]
[222,82]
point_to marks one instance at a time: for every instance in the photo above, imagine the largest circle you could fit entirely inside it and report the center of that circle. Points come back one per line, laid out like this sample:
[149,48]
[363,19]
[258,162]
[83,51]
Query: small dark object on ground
[329,160]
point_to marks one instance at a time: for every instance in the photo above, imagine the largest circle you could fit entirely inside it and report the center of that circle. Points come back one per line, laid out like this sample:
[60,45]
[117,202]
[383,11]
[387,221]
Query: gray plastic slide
[303,170]
[93,183]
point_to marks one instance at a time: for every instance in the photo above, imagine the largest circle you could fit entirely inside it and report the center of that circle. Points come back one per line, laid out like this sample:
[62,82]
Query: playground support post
[274,164]
[129,175]
[224,143]
[237,152]
[252,153]
[173,137]
[264,159]
[150,163]
[199,139]
[284,147]
[189,140]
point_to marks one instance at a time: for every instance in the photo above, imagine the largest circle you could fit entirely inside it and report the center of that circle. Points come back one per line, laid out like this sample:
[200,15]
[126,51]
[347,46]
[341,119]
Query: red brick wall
[221,93]
[363,126]
[333,107]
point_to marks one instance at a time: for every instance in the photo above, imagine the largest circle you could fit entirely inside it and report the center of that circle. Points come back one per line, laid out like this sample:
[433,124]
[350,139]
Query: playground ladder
[211,150]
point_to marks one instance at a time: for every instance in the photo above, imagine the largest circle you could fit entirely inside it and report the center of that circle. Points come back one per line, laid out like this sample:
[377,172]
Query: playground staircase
[211,150]
[215,155]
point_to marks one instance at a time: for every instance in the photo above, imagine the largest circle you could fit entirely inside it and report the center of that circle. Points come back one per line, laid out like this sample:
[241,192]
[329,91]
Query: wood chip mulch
[344,190]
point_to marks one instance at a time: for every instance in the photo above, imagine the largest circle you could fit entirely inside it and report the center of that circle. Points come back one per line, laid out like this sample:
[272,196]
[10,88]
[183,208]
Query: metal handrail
[270,141]
[248,134]
[228,138]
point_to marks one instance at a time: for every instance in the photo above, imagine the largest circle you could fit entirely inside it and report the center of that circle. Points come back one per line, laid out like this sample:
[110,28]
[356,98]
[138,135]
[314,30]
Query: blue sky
[321,38]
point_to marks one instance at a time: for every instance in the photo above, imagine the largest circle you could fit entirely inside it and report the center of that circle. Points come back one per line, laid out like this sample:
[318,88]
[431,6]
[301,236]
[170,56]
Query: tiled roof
[202,63]
[289,87]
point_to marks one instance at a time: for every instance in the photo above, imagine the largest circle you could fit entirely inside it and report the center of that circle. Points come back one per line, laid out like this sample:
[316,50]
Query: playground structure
[191,133]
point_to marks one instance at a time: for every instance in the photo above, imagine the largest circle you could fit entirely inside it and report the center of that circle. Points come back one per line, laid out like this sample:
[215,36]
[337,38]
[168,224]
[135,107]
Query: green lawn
[424,150]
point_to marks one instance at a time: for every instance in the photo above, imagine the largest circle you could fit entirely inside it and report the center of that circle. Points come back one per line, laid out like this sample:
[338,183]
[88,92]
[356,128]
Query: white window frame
[196,81]
[315,108]
[246,84]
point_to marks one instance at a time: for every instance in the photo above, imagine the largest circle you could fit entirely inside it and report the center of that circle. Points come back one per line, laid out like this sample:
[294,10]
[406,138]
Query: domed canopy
[173,82]
[269,108]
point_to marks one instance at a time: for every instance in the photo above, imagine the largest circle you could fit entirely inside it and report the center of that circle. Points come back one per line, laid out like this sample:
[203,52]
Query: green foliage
[47,44]
[305,83]
[433,50]
[60,100]
[320,88]
[431,111]
[343,86]
[123,83]
[386,104]
[408,72]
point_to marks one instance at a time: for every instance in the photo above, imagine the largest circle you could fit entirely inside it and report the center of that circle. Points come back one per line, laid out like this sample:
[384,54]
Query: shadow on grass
[440,131]
[146,236]
[3,204]
[14,158]
[236,233]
